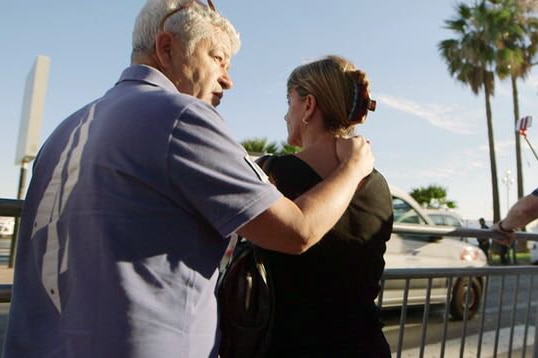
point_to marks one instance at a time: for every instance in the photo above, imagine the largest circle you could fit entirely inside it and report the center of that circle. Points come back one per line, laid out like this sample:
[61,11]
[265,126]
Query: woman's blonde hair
[341,91]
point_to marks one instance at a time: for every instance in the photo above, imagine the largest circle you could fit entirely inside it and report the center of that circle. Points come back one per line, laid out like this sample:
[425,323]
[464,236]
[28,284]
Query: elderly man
[134,196]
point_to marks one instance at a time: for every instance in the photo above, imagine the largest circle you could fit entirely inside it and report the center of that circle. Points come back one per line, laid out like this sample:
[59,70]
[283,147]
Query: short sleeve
[214,173]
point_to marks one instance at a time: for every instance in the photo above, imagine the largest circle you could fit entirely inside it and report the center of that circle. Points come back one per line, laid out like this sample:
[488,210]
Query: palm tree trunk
[520,191]
[492,160]
[521,244]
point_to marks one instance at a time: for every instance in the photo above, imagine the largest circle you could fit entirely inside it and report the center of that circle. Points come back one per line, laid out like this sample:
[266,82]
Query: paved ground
[4,309]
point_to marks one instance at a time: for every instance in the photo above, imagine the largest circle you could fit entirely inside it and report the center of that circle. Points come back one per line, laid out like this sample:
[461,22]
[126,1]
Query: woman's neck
[320,154]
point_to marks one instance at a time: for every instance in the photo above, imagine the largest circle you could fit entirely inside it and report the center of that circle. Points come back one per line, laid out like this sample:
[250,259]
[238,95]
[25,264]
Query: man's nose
[226,81]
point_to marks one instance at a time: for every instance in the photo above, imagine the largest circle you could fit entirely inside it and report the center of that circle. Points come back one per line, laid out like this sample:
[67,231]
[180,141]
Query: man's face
[204,74]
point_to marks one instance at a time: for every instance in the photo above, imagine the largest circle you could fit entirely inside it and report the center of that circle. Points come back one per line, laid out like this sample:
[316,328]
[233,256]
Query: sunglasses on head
[183,7]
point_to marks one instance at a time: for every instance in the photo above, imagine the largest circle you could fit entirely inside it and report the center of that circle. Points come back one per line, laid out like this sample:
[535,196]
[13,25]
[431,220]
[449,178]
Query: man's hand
[356,149]
[510,236]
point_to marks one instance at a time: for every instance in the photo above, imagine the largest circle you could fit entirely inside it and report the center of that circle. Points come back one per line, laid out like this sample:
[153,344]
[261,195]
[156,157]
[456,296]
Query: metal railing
[457,232]
[492,313]
[10,208]
[506,313]
[13,208]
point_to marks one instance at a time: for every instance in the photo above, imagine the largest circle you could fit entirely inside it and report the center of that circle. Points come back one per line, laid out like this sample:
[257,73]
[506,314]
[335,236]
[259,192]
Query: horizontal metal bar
[435,272]
[439,230]
[11,207]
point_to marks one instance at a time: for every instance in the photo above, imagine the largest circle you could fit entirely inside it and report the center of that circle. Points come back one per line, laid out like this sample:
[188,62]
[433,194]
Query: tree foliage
[471,59]
[285,148]
[493,38]
[432,197]
[518,47]
[260,146]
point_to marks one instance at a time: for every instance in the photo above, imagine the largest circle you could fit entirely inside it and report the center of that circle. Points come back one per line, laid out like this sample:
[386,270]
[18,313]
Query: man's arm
[294,226]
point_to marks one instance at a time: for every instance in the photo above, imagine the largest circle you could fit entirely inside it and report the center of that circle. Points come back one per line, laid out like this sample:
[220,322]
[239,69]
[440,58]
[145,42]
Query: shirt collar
[148,74]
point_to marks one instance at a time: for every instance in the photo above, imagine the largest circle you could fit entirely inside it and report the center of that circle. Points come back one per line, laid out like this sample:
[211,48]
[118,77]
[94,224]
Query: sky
[428,129]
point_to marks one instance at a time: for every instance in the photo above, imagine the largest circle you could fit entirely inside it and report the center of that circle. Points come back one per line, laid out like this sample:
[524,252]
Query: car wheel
[457,304]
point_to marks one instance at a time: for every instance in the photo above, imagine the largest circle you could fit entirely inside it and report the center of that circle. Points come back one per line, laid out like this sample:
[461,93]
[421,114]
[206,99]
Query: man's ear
[164,42]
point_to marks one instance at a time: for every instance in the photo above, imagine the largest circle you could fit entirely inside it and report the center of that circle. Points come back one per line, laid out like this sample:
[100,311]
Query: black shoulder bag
[246,301]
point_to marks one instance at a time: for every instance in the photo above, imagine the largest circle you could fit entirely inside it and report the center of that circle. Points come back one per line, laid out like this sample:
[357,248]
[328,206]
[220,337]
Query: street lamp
[508,180]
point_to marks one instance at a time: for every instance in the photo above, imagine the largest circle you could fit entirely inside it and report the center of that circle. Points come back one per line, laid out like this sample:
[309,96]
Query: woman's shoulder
[376,181]
[373,195]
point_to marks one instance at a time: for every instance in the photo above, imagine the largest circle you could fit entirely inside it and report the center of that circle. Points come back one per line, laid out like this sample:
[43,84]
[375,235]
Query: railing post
[13,245]
[535,349]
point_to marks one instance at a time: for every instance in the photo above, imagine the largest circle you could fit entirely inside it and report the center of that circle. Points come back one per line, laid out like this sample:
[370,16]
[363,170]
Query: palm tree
[259,146]
[288,149]
[432,196]
[471,60]
[517,51]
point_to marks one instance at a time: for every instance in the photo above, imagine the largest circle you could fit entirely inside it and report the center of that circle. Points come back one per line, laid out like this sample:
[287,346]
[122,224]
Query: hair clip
[371,105]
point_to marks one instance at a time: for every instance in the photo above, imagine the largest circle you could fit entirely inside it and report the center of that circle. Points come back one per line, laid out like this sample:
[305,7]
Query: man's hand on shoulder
[356,150]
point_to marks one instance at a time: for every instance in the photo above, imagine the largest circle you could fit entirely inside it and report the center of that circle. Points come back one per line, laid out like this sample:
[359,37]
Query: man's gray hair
[191,24]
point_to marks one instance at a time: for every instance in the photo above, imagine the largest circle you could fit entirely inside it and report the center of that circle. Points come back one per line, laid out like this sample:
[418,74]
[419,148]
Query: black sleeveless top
[325,297]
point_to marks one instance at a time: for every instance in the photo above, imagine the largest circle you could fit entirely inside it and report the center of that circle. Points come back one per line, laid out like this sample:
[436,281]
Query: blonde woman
[324,298]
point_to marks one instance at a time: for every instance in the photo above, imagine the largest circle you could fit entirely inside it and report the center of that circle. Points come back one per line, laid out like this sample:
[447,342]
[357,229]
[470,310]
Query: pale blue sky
[428,128]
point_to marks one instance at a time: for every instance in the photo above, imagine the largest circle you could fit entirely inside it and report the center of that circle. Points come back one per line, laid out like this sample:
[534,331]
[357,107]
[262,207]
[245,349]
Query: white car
[445,217]
[449,218]
[421,251]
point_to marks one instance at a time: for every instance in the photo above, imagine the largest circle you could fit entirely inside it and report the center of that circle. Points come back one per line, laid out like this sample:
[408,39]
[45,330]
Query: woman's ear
[310,105]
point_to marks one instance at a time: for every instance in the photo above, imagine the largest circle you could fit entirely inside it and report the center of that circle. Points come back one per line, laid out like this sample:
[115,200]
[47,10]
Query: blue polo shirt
[124,224]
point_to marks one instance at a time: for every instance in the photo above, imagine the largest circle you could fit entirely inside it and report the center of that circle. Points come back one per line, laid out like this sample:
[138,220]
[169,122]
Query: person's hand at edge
[509,234]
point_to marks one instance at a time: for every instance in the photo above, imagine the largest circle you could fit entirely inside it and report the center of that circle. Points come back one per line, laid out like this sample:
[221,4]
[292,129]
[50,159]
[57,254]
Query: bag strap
[265,162]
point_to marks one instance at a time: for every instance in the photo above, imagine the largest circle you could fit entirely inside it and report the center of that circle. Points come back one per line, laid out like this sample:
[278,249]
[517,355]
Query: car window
[452,221]
[437,219]
[404,213]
